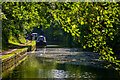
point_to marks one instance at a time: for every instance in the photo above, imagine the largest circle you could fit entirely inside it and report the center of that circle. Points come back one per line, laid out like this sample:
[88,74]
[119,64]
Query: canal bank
[11,59]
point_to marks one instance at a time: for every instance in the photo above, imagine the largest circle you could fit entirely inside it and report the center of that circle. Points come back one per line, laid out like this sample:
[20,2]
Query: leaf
[82,22]
[73,34]
[84,47]
[73,26]
[98,18]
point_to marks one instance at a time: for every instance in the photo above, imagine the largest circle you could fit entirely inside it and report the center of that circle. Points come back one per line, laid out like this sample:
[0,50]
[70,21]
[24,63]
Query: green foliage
[19,18]
[95,25]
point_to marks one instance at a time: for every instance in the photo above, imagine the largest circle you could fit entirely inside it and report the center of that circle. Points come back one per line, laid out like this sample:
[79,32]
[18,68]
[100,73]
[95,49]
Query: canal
[62,63]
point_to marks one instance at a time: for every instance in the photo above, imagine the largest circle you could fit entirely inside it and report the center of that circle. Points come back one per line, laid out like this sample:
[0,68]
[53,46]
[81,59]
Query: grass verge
[13,53]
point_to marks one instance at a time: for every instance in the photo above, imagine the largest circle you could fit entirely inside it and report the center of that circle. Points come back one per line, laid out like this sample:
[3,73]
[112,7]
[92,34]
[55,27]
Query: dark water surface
[62,63]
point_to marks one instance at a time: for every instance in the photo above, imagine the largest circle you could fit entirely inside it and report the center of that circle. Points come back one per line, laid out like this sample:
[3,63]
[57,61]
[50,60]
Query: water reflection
[70,56]
[39,66]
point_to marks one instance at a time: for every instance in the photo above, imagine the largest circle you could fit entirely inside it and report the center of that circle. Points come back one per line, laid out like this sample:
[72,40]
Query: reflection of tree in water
[36,66]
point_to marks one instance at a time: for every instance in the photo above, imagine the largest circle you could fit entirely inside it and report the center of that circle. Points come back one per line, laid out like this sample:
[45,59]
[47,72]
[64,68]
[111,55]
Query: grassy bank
[13,53]
[18,50]
[12,42]
[15,43]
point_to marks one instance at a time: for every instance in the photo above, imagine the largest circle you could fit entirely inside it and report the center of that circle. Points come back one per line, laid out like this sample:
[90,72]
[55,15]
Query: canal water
[62,63]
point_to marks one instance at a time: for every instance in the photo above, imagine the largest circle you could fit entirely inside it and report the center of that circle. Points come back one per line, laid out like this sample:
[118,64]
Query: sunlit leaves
[82,22]
[98,18]
[94,24]
[84,47]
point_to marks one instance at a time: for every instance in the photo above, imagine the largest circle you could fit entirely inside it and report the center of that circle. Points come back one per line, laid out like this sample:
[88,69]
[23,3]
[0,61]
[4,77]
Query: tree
[94,24]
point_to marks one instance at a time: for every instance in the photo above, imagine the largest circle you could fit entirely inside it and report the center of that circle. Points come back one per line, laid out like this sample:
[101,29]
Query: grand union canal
[62,63]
